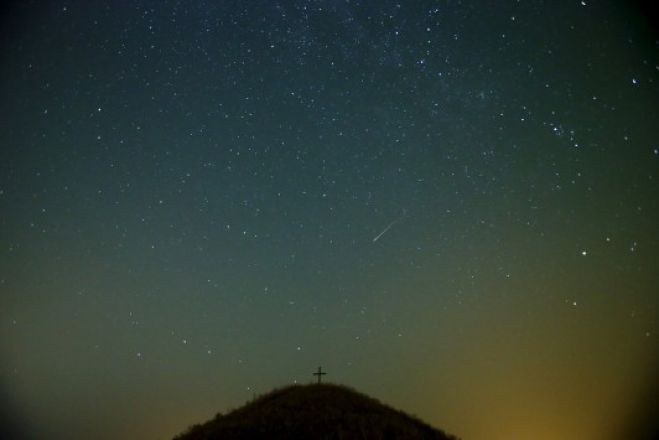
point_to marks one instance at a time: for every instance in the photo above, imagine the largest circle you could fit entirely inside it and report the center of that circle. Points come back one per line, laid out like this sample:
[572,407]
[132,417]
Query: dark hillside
[314,412]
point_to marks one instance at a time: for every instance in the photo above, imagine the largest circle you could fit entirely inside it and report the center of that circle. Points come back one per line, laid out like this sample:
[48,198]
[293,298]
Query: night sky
[451,206]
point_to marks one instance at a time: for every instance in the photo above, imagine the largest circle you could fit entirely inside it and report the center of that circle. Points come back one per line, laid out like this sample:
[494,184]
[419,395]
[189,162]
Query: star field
[450,206]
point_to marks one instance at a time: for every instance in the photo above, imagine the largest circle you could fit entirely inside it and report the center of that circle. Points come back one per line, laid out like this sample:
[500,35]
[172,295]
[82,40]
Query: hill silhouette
[322,412]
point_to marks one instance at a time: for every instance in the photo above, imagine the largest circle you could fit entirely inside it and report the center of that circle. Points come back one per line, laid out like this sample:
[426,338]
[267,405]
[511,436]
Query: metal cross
[319,373]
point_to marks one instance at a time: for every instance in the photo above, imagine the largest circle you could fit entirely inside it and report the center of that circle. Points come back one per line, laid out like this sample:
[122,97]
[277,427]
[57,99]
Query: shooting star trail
[377,237]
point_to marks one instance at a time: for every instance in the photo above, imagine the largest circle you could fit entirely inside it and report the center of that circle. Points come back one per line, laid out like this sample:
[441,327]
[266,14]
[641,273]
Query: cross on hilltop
[319,373]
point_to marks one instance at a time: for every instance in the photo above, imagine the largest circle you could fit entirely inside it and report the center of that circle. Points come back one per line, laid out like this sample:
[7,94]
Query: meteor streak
[377,237]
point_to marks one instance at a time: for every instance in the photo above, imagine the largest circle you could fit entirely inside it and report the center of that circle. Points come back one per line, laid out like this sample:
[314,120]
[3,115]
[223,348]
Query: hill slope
[320,412]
